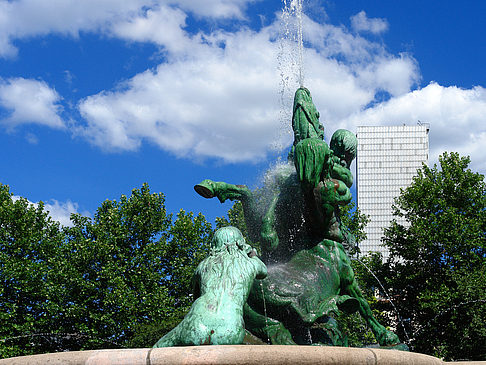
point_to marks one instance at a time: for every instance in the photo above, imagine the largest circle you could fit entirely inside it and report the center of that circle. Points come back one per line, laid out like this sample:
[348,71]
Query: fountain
[304,279]
[290,301]
[310,279]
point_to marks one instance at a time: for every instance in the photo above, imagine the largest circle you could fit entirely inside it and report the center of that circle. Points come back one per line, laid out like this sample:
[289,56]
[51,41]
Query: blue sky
[99,96]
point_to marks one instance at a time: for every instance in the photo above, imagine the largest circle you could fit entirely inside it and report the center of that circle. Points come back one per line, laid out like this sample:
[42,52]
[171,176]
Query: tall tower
[388,157]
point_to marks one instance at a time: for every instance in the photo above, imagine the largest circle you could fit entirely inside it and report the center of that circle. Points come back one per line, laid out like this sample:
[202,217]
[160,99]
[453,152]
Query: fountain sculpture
[222,283]
[298,226]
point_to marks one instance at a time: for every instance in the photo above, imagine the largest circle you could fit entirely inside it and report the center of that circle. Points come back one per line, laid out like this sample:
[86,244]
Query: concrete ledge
[240,355]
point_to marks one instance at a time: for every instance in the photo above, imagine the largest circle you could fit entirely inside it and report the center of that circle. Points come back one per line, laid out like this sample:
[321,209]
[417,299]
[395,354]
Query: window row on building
[408,129]
[382,179]
[389,164]
[399,181]
[381,221]
[371,202]
[373,247]
[385,141]
[390,147]
[381,195]
[392,153]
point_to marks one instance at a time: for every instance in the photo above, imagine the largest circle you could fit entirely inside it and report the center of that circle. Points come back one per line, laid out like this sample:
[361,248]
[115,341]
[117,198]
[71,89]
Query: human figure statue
[310,278]
[222,283]
[344,146]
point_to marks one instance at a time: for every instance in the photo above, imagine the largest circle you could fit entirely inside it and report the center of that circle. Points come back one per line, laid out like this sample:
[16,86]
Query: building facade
[388,157]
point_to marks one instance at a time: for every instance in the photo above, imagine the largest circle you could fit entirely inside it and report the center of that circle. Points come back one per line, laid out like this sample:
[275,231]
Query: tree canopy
[121,278]
[437,266]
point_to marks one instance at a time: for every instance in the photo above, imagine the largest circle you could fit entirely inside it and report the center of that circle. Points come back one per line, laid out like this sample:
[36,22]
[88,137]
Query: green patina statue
[303,242]
[222,283]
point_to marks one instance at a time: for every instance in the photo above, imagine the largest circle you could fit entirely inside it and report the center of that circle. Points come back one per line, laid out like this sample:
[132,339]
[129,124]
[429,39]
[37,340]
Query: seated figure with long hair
[222,284]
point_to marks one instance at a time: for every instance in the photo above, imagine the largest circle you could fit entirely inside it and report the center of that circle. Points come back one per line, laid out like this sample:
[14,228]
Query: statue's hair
[302,95]
[228,261]
[227,238]
[344,141]
[310,158]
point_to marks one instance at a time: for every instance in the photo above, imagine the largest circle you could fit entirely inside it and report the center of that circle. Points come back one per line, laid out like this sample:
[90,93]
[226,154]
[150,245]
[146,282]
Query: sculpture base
[238,354]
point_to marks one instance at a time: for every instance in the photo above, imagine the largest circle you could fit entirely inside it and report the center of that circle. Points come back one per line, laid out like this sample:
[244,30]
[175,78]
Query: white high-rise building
[388,157]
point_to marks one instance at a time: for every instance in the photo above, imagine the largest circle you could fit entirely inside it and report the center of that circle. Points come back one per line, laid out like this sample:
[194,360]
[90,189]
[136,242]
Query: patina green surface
[309,277]
[222,283]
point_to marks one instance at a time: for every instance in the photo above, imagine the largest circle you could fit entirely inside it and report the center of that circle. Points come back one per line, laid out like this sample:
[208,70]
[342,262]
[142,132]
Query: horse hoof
[204,191]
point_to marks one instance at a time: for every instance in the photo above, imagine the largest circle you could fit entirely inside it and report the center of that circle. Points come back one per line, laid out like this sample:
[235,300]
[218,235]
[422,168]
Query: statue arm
[341,172]
[261,268]
[224,191]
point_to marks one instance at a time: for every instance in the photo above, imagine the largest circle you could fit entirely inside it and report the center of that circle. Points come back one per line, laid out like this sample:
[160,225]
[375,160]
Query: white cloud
[31,138]
[58,211]
[216,93]
[216,97]
[367,62]
[162,26]
[30,18]
[214,8]
[61,211]
[30,101]
[217,102]
[361,23]
[395,75]
[456,117]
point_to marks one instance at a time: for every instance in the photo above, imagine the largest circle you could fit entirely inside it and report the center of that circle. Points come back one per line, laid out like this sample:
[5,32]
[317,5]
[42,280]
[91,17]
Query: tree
[30,243]
[437,265]
[115,280]
[354,222]
[133,266]
[186,247]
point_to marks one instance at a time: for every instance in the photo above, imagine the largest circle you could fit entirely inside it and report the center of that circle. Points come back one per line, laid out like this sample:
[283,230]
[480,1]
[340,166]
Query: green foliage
[437,267]
[100,283]
[354,222]
[236,218]
[30,243]
[446,210]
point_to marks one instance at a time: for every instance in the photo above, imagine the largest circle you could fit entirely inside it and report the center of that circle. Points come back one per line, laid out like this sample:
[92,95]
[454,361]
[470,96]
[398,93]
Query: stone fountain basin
[230,354]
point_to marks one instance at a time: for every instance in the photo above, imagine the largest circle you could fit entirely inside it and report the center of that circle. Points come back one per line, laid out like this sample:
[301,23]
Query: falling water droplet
[265,311]
[309,335]
[290,59]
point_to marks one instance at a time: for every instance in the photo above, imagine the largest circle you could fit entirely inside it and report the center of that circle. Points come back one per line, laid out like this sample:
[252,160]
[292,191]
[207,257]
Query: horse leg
[350,287]
[267,329]
[268,233]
